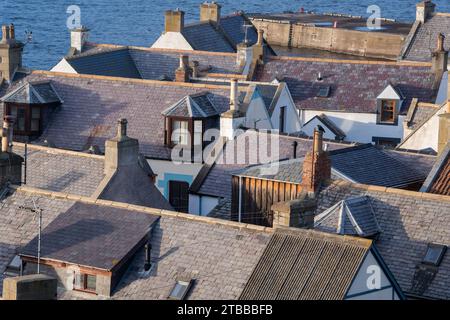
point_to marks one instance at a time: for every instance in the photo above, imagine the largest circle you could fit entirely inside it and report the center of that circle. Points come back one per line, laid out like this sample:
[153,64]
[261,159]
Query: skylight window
[324,92]
[180,290]
[434,254]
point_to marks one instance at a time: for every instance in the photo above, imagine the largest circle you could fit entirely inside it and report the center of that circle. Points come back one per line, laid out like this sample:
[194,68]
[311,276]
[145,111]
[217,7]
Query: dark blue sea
[139,22]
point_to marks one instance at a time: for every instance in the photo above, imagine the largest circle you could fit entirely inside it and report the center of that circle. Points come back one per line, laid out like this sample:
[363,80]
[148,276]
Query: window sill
[386,123]
[85,291]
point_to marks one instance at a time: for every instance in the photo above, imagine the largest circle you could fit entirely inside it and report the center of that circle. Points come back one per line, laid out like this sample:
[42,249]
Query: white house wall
[168,171]
[358,127]
[309,129]
[292,121]
[442,95]
[360,289]
[256,116]
[172,40]
[202,205]
[426,136]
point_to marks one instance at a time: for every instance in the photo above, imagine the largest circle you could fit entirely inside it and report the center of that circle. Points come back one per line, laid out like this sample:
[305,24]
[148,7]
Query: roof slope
[352,216]
[306,265]
[438,181]
[424,43]
[219,255]
[354,85]
[206,37]
[92,106]
[92,235]
[61,170]
[218,181]
[369,165]
[145,63]
[409,221]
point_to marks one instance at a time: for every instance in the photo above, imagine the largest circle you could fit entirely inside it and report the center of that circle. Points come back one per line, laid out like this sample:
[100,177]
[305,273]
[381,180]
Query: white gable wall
[201,205]
[256,116]
[63,66]
[310,126]
[361,288]
[172,40]
[426,136]
[292,121]
[358,127]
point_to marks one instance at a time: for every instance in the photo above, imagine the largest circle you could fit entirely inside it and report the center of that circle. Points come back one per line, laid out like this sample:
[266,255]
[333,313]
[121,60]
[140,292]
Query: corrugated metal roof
[305,265]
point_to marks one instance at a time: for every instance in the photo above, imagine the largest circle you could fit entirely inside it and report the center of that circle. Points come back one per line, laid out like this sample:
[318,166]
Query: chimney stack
[259,48]
[316,165]
[182,74]
[7,135]
[121,150]
[174,21]
[10,163]
[210,11]
[10,53]
[440,56]
[298,213]
[78,38]
[233,119]
[424,10]
[234,104]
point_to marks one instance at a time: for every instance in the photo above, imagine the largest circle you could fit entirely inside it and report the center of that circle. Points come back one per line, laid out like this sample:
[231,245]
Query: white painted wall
[257,116]
[358,127]
[442,95]
[167,170]
[63,66]
[360,286]
[201,205]
[292,121]
[228,126]
[426,136]
[172,40]
[309,129]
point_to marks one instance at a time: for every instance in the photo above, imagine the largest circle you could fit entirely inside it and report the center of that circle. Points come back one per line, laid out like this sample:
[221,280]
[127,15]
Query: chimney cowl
[7,133]
[122,128]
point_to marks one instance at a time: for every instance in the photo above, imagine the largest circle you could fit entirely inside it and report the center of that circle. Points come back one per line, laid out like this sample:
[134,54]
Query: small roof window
[13,268]
[434,254]
[324,92]
[180,290]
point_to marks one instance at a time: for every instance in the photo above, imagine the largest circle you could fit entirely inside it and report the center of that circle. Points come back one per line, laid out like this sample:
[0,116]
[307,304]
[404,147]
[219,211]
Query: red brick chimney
[182,74]
[317,165]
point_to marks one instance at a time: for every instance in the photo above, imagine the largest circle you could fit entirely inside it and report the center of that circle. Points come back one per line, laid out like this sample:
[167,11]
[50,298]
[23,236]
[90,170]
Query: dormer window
[30,104]
[187,120]
[388,105]
[388,110]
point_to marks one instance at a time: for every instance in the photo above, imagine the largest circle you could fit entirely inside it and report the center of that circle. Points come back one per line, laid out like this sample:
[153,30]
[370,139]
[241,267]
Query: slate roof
[340,135]
[361,164]
[56,170]
[355,86]
[438,181]
[369,165]
[352,216]
[224,37]
[422,113]
[193,106]
[145,63]
[33,93]
[217,182]
[409,221]
[213,254]
[92,106]
[306,265]
[92,235]
[206,37]
[424,42]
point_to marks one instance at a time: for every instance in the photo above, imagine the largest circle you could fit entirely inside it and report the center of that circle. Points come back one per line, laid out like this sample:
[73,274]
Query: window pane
[34,125]
[198,128]
[91,282]
[180,133]
[20,119]
[35,113]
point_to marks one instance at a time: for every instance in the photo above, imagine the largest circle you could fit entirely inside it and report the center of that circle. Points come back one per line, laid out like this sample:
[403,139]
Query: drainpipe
[240,199]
